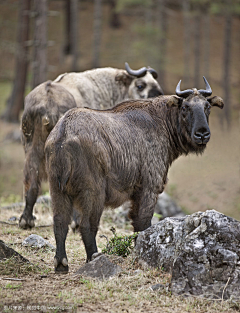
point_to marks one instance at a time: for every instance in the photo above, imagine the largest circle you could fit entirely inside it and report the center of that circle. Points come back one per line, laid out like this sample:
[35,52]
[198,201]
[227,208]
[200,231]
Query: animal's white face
[144,87]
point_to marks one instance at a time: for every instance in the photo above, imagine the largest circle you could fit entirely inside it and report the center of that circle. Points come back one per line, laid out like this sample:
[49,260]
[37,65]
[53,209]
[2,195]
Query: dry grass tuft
[15,266]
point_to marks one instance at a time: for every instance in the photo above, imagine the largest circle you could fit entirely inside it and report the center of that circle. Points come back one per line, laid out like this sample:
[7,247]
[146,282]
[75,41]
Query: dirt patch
[37,289]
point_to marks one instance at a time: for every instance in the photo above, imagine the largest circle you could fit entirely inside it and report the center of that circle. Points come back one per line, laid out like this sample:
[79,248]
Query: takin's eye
[184,108]
[207,107]
[140,85]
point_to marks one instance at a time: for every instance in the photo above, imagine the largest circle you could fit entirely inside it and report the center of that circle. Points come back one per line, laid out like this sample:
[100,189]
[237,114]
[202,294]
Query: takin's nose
[154,92]
[202,137]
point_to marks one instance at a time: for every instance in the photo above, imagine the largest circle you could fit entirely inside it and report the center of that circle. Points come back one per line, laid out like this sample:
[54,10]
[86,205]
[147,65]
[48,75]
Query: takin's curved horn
[138,73]
[208,91]
[153,72]
[184,93]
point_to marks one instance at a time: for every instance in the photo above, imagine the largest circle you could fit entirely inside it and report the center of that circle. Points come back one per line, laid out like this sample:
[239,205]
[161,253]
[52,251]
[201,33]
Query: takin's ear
[173,101]
[216,101]
[124,77]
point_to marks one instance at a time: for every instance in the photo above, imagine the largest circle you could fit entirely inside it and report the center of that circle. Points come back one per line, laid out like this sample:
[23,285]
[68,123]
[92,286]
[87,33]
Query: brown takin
[98,159]
[98,89]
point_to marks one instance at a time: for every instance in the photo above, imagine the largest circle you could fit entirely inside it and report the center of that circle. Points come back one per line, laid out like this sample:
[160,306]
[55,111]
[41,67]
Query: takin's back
[107,150]
[96,89]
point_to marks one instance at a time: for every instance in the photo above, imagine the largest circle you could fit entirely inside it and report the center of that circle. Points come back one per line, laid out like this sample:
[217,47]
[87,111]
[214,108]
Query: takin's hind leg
[32,182]
[34,173]
[62,212]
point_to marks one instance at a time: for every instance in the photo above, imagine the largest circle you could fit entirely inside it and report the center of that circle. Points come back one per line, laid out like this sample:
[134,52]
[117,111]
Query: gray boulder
[167,207]
[101,267]
[201,250]
[36,241]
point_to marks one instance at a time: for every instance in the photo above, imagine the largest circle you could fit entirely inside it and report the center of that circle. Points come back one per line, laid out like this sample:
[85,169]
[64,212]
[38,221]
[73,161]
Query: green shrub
[119,245]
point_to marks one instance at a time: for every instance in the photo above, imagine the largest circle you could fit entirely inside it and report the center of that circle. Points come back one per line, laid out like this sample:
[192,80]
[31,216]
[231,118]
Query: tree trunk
[187,41]
[97,32]
[74,33]
[162,14]
[40,43]
[146,35]
[67,48]
[15,102]
[206,45]
[114,16]
[226,67]
[197,48]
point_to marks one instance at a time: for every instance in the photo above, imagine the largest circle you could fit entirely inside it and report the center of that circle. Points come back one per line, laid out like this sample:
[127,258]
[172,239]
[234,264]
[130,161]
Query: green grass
[13,286]
[119,245]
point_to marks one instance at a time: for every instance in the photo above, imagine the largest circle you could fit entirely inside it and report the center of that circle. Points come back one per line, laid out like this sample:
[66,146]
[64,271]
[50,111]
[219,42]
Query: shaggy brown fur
[98,89]
[104,158]
[43,108]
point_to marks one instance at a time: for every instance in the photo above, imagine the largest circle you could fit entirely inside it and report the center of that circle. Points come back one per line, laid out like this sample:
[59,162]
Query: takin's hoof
[61,267]
[27,223]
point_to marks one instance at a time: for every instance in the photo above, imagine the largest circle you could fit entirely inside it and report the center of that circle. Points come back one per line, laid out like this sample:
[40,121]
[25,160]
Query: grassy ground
[131,291]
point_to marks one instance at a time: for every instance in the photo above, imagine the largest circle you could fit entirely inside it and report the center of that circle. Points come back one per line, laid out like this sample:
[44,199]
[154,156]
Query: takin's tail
[40,113]
[59,164]
[44,106]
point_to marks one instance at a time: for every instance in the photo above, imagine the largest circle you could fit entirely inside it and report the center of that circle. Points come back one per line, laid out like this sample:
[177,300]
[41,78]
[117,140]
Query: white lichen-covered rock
[201,250]
[36,241]
[157,246]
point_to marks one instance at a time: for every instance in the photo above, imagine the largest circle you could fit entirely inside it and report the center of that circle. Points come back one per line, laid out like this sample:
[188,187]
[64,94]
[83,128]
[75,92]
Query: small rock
[157,287]
[36,242]
[13,219]
[100,268]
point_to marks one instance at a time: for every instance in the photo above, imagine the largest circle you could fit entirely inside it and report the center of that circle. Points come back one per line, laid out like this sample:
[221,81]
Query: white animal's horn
[153,72]
[138,73]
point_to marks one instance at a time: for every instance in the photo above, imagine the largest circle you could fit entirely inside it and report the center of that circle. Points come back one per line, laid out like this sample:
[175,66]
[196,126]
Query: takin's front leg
[142,209]
[88,229]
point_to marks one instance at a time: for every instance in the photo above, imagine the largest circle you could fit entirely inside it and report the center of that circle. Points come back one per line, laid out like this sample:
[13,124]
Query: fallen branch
[225,287]
[15,279]
[12,224]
